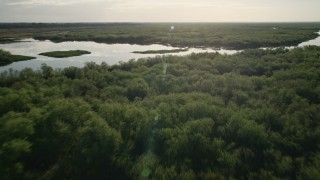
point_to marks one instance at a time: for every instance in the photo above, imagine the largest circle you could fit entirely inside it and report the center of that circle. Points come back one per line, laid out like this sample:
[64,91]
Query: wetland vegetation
[8,58]
[252,115]
[225,35]
[63,54]
[161,51]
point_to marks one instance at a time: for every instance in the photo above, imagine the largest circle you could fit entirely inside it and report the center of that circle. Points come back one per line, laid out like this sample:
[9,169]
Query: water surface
[100,52]
[315,42]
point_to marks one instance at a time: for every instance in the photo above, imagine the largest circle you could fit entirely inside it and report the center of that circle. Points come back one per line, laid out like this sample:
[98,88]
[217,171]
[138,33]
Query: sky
[159,10]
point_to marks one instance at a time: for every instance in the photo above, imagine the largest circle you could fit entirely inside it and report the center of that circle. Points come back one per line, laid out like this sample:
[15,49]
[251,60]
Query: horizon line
[119,22]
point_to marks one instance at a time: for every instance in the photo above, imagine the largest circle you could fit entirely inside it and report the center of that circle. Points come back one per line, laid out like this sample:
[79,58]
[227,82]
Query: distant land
[215,35]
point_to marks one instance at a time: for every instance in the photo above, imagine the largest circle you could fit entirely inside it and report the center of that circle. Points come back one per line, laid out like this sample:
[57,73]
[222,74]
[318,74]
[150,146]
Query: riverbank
[161,51]
[8,58]
[65,54]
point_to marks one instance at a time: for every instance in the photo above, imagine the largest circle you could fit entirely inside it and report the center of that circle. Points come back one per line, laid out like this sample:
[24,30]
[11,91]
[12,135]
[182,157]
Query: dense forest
[226,35]
[252,115]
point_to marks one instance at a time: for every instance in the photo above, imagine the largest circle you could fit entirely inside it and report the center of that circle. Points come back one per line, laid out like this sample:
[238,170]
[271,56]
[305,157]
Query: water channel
[100,52]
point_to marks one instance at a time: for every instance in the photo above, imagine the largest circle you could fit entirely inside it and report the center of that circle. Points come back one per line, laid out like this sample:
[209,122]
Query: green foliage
[15,142]
[252,115]
[161,51]
[8,58]
[137,88]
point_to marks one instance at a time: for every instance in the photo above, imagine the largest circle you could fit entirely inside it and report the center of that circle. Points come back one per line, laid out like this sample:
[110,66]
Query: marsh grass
[219,35]
[161,51]
[64,54]
[8,58]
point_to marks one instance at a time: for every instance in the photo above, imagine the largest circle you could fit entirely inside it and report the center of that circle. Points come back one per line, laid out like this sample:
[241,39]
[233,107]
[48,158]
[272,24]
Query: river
[100,52]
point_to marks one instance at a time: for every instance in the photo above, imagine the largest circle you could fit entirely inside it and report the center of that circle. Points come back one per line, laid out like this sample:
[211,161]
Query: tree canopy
[252,115]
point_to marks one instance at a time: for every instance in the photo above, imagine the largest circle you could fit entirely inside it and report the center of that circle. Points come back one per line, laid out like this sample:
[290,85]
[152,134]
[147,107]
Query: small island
[8,58]
[64,54]
[161,51]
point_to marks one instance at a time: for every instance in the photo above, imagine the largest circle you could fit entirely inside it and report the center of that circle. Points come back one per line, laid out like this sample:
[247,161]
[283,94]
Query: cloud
[157,10]
[49,2]
[174,4]
[133,4]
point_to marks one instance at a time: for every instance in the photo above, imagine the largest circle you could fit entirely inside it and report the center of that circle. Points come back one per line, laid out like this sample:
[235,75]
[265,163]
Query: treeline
[253,115]
[60,25]
[226,35]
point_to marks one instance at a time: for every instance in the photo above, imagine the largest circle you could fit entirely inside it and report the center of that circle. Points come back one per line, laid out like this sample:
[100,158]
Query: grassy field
[63,54]
[8,58]
[225,35]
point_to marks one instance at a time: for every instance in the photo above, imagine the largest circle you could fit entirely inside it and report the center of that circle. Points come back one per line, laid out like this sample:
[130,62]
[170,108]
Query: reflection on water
[311,42]
[109,53]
